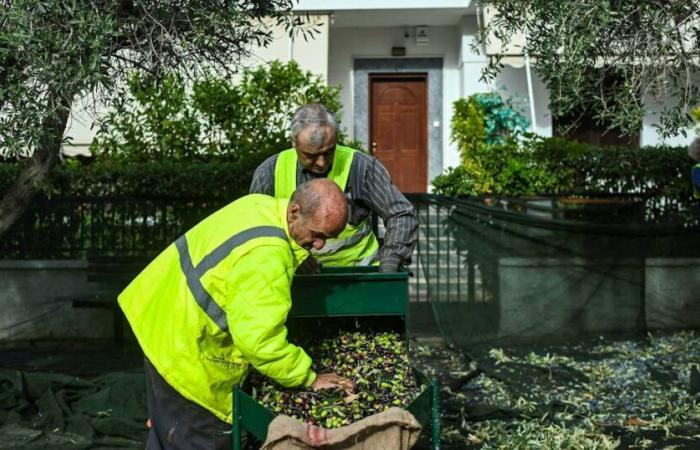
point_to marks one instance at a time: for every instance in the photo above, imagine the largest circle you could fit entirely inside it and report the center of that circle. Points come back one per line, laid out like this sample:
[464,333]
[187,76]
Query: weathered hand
[388,268]
[309,266]
[332,381]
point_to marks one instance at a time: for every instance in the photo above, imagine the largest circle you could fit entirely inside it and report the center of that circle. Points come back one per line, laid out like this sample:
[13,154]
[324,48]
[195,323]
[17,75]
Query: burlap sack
[394,429]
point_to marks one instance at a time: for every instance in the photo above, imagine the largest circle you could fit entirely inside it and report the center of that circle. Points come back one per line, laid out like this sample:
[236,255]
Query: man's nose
[321,161]
[319,243]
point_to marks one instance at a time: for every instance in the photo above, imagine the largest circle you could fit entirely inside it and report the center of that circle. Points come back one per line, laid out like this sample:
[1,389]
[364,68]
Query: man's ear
[293,212]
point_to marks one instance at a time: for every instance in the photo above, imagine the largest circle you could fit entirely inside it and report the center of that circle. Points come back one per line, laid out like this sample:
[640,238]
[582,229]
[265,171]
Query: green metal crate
[350,291]
[343,292]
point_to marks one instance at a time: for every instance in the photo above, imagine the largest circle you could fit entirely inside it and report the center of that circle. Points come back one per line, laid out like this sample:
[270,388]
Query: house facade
[401,64]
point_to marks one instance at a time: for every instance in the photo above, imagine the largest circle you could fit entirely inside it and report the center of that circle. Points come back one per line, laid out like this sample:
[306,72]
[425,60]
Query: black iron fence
[80,227]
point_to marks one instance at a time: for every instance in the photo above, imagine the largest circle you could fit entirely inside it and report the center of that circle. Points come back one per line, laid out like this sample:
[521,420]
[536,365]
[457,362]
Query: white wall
[346,44]
[80,130]
[649,136]
[311,55]
[471,63]
[511,82]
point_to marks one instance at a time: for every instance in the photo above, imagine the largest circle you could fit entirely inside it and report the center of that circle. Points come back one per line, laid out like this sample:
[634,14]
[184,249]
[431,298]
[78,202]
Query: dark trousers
[177,423]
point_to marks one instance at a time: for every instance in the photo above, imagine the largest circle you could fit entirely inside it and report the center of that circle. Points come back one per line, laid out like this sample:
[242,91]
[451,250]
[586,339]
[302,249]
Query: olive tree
[53,52]
[609,57]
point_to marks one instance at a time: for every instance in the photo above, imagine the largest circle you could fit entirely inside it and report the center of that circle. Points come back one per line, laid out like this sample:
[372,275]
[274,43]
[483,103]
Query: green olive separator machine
[360,292]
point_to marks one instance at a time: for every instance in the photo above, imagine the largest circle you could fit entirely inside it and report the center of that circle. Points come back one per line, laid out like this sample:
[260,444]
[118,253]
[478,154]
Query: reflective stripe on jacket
[356,245]
[216,300]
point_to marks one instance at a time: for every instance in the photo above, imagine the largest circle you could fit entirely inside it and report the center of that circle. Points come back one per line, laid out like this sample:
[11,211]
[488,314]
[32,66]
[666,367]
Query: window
[587,130]
[581,124]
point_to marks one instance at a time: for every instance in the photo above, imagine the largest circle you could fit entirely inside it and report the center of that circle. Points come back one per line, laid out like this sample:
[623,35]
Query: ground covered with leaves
[598,394]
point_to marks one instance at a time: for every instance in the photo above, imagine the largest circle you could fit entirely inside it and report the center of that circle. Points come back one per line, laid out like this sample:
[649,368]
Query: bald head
[317,211]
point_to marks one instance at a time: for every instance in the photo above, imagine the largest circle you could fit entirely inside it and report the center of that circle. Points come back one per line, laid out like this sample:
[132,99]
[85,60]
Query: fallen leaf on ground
[635,422]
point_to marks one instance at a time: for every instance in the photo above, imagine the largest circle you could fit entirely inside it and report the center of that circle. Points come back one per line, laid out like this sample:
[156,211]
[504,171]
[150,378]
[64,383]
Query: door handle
[374,147]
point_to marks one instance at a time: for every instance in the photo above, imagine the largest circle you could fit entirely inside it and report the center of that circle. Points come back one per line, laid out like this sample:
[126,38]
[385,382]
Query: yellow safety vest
[356,245]
[216,301]
[696,191]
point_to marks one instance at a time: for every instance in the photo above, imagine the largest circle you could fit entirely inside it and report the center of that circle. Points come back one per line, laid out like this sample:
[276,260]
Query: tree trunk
[20,195]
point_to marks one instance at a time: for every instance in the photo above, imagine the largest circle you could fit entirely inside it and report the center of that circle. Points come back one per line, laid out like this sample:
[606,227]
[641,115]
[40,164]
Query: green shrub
[503,120]
[216,179]
[482,120]
[486,128]
[203,140]
[656,170]
[456,182]
[213,118]
[546,166]
[468,128]
[499,157]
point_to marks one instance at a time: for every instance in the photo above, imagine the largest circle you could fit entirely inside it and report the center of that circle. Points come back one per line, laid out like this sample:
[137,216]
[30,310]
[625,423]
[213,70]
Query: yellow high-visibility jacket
[216,300]
[356,245]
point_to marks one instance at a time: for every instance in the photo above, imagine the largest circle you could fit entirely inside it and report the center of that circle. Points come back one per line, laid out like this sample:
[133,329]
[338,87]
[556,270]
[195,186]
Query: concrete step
[439,268]
[435,261]
[441,299]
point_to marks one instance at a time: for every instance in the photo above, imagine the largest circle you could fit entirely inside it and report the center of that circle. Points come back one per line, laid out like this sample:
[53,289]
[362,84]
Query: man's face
[308,232]
[316,158]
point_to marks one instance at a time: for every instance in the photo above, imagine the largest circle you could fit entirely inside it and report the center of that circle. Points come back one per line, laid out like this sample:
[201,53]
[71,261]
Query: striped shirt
[369,189]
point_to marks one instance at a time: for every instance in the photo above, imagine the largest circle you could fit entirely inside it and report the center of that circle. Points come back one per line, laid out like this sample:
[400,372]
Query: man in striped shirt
[364,180]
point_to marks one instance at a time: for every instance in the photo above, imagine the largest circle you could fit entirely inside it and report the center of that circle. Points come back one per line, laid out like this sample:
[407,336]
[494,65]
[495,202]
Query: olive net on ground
[558,315]
[596,393]
[508,271]
[55,411]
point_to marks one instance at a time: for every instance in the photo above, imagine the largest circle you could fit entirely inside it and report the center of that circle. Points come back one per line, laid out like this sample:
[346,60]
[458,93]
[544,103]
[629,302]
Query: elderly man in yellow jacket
[215,302]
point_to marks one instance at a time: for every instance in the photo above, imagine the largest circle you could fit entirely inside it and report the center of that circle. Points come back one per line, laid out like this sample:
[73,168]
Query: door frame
[433,66]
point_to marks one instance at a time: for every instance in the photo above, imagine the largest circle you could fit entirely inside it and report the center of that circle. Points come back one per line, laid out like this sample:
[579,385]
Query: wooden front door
[399,128]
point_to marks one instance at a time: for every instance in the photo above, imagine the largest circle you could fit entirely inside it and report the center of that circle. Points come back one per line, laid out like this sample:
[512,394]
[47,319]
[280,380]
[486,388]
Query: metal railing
[461,240]
[443,271]
[76,227]
[79,227]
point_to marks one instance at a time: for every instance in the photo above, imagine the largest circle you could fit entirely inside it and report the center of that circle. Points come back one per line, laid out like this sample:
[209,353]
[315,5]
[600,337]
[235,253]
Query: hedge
[217,179]
[548,166]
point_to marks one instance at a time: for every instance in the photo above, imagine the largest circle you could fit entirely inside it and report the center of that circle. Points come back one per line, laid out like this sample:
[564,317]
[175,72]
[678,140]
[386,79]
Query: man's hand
[332,381]
[388,268]
[309,266]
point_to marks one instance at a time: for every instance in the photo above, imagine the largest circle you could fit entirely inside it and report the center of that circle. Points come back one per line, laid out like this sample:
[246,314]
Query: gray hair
[694,149]
[315,115]
[308,199]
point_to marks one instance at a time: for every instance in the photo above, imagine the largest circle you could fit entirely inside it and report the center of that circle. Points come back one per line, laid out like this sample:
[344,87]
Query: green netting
[508,271]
